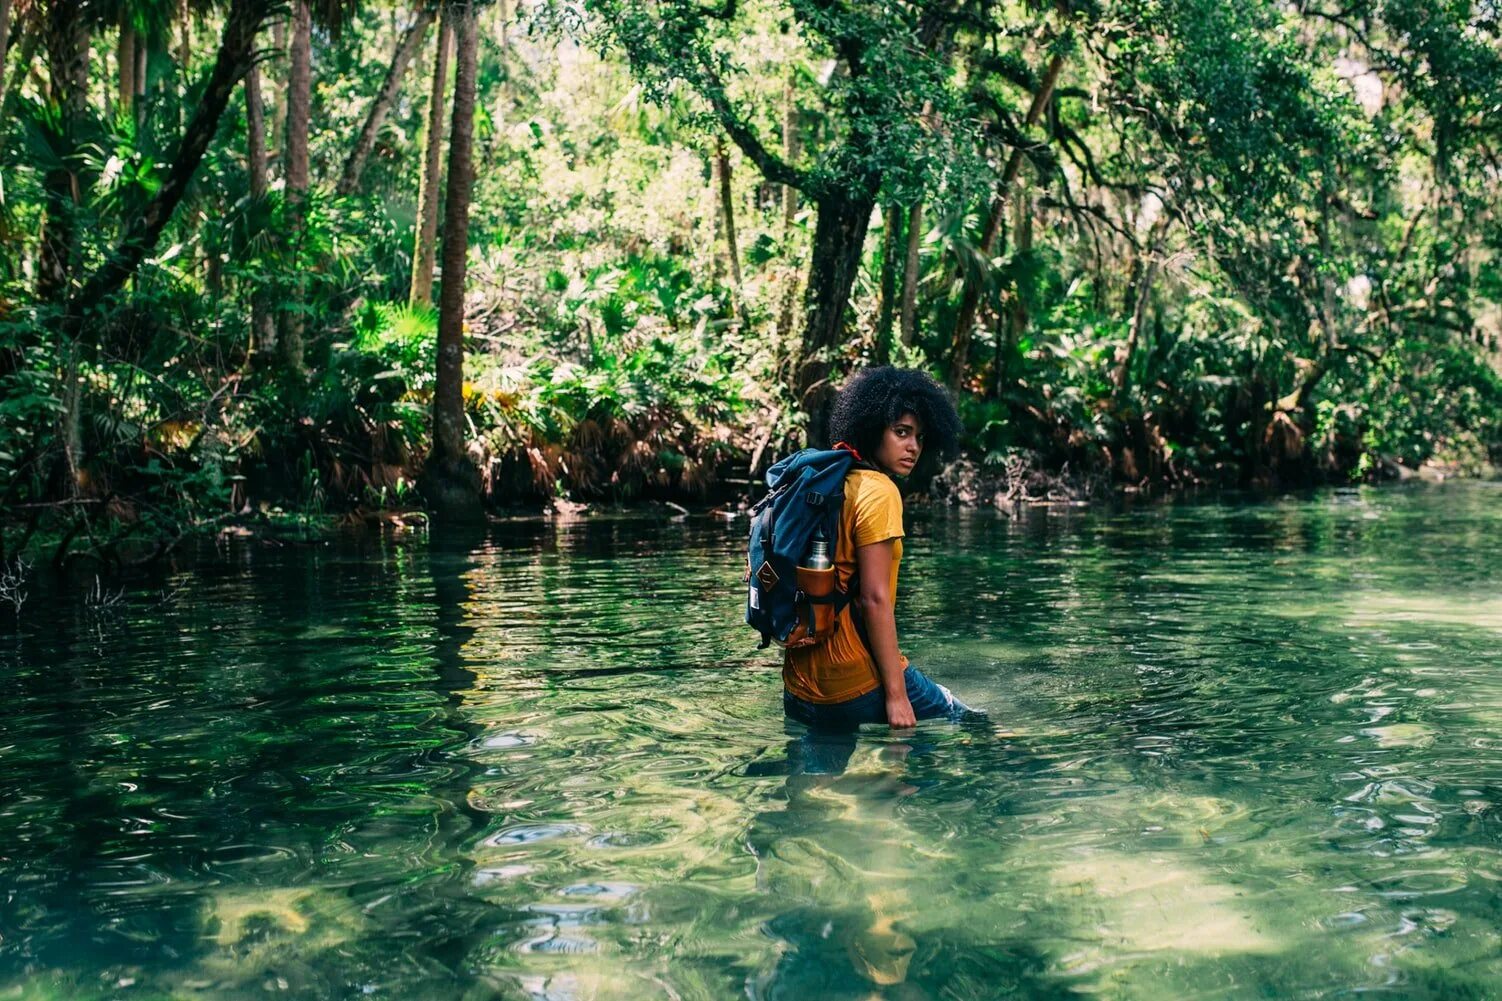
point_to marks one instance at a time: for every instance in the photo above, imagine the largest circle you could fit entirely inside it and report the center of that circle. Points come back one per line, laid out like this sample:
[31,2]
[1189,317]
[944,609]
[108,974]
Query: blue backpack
[807,495]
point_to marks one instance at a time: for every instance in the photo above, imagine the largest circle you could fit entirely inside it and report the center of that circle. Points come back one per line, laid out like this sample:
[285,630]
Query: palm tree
[143,27]
[65,30]
[262,322]
[451,484]
[424,252]
[330,15]
[295,157]
[125,61]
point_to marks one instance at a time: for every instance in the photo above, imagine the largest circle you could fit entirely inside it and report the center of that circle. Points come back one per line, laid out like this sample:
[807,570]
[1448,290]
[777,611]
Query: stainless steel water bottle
[816,580]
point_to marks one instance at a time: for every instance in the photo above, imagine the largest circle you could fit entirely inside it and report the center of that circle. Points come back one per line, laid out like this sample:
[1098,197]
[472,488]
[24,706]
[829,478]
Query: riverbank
[112,535]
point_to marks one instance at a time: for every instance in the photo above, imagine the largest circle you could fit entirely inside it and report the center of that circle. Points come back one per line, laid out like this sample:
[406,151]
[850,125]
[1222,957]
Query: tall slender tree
[1144,270]
[891,236]
[5,17]
[727,215]
[143,229]
[262,318]
[28,41]
[257,156]
[295,159]
[66,32]
[792,149]
[909,317]
[275,80]
[142,70]
[1014,319]
[425,251]
[451,483]
[411,40]
[66,37]
[184,37]
[125,60]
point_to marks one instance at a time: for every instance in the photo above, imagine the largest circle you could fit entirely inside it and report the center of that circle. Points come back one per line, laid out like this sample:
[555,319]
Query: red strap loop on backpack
[849,448]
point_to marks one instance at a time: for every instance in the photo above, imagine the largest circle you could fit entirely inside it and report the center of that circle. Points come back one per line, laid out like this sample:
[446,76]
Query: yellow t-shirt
[840,668]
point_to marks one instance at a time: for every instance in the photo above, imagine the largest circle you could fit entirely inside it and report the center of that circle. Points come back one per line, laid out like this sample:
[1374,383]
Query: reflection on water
[1234,751]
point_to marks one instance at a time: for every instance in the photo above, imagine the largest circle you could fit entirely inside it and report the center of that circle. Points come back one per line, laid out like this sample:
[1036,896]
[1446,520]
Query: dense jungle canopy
[325,255]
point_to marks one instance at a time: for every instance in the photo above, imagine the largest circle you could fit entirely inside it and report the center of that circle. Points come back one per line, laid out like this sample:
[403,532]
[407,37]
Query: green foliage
[877,108]
[1245,243]
[642,413]
[30,403]
[402,335]
[1425,401]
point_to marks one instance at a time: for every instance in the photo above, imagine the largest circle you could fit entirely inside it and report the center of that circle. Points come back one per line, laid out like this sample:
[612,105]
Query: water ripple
[1232,752]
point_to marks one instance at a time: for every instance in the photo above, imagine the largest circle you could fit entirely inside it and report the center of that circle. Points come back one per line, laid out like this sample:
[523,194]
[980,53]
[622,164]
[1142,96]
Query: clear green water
[1254,752]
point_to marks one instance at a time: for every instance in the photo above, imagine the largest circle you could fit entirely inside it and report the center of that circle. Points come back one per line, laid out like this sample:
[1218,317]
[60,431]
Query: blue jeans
[930,701]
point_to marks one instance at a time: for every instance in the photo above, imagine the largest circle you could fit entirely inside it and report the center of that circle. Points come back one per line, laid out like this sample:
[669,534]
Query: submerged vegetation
[1151,243]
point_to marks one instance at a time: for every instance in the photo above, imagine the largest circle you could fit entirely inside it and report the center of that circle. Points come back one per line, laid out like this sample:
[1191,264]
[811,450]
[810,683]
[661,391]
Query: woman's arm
[875,565]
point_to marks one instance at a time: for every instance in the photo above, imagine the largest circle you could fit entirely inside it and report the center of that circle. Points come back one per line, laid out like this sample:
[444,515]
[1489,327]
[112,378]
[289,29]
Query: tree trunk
[839,237]
[716,220]
[184,39]
[964,324]
[262,322]
[970,296]
[255,121]
[299,100]
[1006,342]
[125,57]
[143,67]
[791,149]
[278,79]
[1298,401]
[1144,273]
[1016,320]
[380,108]
[452,484]
[432,165]
[5,7]
[1143,295]
[184,57]
[503,93]
[909,324]
[727,212]
[27,35]
[887,316]
[67,41]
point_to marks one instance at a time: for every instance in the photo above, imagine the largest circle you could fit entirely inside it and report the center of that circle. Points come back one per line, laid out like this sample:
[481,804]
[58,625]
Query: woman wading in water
[888,417]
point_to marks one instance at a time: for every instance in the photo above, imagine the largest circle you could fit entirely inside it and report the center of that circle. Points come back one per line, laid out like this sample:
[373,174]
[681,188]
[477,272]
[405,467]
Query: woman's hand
[900,712]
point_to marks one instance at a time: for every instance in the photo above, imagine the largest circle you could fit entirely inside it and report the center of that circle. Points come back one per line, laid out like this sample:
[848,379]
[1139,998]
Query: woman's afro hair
[873,400]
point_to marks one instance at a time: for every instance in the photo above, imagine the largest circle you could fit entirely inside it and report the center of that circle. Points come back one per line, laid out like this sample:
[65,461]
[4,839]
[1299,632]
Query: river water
[1233,751]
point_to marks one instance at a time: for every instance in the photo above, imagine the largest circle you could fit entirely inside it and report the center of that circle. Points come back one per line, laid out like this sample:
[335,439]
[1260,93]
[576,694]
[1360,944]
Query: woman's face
[901,445]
